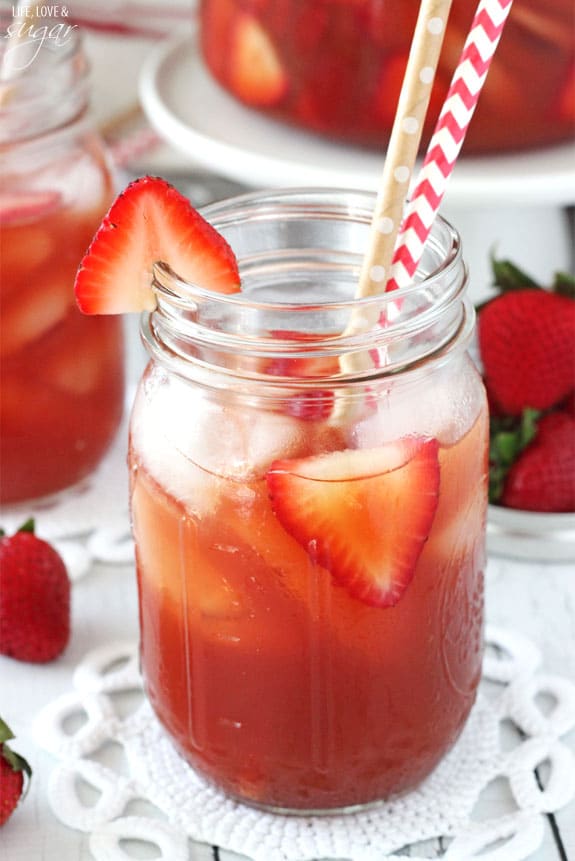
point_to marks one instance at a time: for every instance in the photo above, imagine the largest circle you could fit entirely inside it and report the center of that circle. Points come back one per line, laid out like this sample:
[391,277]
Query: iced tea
[310,542]
[61,373]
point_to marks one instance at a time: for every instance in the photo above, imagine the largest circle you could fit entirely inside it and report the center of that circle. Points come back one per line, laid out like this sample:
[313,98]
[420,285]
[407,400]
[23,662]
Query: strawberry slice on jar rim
[149,222]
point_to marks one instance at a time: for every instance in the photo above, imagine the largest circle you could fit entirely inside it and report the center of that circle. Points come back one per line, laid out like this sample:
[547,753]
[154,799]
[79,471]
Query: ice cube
[183,435]
[442,405]
[78,373]
[28,316]
[159,422]
[22,251]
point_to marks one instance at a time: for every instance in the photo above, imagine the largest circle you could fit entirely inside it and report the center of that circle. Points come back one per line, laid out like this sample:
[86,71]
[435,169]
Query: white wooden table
[537,600]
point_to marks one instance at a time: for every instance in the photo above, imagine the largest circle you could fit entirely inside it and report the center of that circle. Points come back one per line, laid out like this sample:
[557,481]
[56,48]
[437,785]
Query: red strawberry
[365,514]
[256,75]
[566,102]
[311,365]
[543,476]
[568,405]
[313,405]
[527,345]
[12,770]
[151,221]
[34,598]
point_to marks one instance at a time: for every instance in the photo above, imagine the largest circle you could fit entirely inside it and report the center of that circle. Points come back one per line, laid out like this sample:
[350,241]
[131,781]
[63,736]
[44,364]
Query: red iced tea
[61,373]
[275,682]
[310,538]
[336,67]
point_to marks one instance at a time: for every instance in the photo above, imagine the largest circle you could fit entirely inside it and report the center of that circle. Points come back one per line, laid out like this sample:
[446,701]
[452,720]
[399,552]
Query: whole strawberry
[34,598]
[527,342]
[543,476]
[13,767]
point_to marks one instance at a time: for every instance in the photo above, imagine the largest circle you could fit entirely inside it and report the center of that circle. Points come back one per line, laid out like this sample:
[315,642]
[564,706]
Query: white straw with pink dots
[404,143]
[447,139]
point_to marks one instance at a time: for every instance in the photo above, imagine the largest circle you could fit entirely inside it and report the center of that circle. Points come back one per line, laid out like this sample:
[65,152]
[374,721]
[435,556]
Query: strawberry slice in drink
[363,514]
[311,404]
[151,221]
[256,74]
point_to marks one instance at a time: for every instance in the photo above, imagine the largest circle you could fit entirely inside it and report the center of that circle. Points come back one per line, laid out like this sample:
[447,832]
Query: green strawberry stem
[508,437]
[508,277]
[14,760]
[28,526]
[564,284]
[5,732]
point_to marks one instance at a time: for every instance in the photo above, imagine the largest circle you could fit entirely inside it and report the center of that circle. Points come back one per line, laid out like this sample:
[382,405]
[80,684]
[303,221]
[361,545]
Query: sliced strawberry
[311,365]
[363,514]
[151,221]
[256,74]
[313,404]
[21,207]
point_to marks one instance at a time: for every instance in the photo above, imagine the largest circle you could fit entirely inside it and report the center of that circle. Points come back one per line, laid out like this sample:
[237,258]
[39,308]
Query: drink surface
[337,68]
[272,679]
[61,372]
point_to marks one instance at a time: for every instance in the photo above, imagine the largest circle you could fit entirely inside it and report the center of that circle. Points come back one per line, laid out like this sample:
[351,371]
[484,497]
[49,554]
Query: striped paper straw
[403,144]
[447,139]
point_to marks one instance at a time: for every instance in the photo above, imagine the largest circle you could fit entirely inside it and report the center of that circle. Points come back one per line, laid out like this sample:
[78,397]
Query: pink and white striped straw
[447,139]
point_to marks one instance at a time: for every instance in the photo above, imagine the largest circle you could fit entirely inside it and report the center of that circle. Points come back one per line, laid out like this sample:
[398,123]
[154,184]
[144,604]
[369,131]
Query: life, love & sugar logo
[30,28]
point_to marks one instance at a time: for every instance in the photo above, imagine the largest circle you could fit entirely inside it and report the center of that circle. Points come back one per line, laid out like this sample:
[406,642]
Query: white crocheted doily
[88,522]
[444,806]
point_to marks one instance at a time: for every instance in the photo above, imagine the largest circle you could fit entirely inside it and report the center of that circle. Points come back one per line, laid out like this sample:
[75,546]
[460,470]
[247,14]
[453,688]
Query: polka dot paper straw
[404,144]
[447,139]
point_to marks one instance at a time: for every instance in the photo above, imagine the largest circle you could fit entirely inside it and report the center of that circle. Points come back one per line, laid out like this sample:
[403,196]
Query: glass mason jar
[336,68]
[62,373]
[308,506]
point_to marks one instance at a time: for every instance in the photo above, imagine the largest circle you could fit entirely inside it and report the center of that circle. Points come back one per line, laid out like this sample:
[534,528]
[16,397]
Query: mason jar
[308,498]
[336,68]
[62,373]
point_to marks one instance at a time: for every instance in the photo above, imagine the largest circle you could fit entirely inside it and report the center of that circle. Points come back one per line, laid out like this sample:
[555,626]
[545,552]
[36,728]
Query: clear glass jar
[62,373]
[276,457]
[336,68]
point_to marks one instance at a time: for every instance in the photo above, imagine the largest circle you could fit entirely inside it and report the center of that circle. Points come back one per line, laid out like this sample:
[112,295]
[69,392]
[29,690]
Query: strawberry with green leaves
[34,598]
[527,341]
[542,478]
[527,349]
[13,770]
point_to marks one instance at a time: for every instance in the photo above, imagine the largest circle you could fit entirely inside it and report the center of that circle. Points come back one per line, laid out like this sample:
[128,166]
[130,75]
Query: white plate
[531,535]
[195,115]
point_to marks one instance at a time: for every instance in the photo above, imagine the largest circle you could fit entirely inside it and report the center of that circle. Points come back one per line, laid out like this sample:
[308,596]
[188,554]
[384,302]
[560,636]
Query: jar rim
[327,202]
[190,320]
